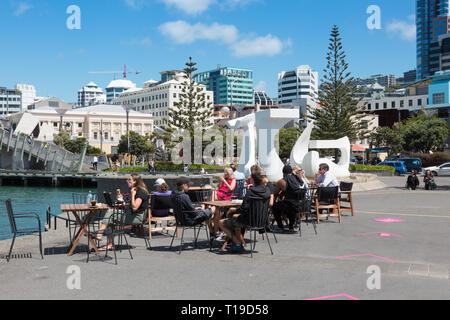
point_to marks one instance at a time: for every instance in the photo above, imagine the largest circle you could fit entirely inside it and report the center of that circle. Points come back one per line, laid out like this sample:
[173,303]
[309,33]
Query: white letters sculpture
[263,126]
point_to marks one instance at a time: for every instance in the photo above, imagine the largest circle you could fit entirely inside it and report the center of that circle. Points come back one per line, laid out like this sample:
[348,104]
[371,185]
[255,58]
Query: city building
[89,122]
[231,86]
[262,99]
[156,98]
[431,22]
[49,102]
[116,87]
[10,101]
[301,82]
[386,80]
[28,94]
[90,95]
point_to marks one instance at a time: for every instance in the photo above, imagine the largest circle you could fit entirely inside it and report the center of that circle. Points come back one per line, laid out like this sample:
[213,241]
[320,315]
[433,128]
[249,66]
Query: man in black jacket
[232,226]
[192,215]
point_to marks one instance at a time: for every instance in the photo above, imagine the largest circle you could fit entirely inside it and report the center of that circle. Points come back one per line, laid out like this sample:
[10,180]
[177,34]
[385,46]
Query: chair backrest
[346,186]
[160,202]
[12,220]
[258,213]
[239,190]
[108,199]
[327,194]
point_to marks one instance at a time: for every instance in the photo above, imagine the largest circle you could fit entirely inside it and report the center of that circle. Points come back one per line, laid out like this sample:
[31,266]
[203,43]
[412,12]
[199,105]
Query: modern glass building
[231,86]
[431,21]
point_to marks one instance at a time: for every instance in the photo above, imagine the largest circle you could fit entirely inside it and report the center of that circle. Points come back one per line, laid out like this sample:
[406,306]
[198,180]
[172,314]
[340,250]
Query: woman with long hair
[137,206]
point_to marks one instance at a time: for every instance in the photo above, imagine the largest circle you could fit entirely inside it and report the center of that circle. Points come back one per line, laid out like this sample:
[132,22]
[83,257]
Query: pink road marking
[389,220]
[335,296]
[382,234]
[365,254]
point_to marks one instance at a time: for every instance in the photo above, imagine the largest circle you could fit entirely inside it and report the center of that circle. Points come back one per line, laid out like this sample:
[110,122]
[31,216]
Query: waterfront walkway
[412,255]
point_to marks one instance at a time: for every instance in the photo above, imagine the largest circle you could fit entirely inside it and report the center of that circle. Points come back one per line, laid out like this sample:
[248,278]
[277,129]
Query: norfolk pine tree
[339,116]
[192,112]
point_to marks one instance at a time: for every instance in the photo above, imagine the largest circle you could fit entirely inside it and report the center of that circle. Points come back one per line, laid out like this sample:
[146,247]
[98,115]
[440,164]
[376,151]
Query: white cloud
[192,7]
[259,46]
[405,29]
[21,8]
[182,32]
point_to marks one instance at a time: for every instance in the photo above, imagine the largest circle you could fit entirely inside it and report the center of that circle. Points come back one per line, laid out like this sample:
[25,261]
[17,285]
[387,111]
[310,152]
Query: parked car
[399,166]
[412,163]
[392,158]
[374,161]
[442,170]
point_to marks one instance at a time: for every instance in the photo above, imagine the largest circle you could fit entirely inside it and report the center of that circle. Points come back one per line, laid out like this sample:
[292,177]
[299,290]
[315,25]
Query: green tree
[288,138]
[339,115]
[385,137]
[427,135]
[139,145]
[192,112]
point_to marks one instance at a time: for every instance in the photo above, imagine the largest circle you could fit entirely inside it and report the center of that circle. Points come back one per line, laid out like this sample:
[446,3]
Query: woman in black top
[138,205]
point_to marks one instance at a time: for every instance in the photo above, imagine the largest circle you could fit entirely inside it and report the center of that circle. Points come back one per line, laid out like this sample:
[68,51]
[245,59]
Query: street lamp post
[61,113]
[127,107]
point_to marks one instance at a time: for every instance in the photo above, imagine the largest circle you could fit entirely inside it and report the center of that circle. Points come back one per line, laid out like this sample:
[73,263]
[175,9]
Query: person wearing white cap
[163,190]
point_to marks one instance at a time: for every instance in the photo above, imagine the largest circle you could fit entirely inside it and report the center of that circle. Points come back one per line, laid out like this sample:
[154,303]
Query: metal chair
[327,198]
[184,224]
[345,195]
[257,220]
[22,231]
[305,210]
[117,229]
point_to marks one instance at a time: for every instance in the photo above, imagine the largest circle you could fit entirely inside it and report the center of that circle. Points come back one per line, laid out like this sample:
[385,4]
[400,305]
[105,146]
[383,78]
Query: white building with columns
[88,122]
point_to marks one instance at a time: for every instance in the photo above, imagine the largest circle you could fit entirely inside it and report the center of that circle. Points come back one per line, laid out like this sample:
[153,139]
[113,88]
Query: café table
[225,205]
[90,211]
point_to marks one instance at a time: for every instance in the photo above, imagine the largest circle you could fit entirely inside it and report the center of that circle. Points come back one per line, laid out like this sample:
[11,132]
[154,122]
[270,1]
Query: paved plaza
[411,249]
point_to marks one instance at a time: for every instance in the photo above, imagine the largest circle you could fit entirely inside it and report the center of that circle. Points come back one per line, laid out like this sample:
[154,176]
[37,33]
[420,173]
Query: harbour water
[34,199]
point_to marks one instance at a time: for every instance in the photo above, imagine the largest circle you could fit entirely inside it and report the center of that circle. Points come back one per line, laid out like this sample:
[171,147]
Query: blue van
[399,166]
[412,163]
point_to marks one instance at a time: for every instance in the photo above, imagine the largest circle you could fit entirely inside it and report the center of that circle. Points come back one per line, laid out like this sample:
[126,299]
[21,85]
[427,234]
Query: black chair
[22,231]
[160,202]
[117,229]
[327,198]
[108,199]
[239,191]
[182,222]
[257,218]
[345,195]
[305,210]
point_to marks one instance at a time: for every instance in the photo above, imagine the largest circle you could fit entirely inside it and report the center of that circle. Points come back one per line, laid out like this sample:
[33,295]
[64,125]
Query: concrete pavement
[413,256]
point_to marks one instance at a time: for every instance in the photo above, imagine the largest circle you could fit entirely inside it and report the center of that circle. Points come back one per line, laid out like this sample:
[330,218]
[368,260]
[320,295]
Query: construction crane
[124,72]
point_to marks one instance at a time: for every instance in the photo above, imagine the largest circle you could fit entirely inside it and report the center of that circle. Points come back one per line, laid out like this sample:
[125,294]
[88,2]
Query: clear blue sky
[156,35]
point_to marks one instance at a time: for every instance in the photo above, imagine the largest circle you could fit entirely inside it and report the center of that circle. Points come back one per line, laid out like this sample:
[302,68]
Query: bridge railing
[53,157]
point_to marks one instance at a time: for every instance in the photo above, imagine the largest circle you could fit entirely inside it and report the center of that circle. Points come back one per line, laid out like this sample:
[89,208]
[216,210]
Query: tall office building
[10,101]
[28,95]
[262,99]
[431,21]
[231,86]
[116,87]
[296,84]
[90,95]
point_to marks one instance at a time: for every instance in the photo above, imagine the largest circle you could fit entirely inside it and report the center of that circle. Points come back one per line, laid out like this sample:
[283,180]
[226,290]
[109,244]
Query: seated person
[412,182]
[162,190]
[287,198]
[138,206]
[227,184]
[324,178]
[199,214]
[232,226]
